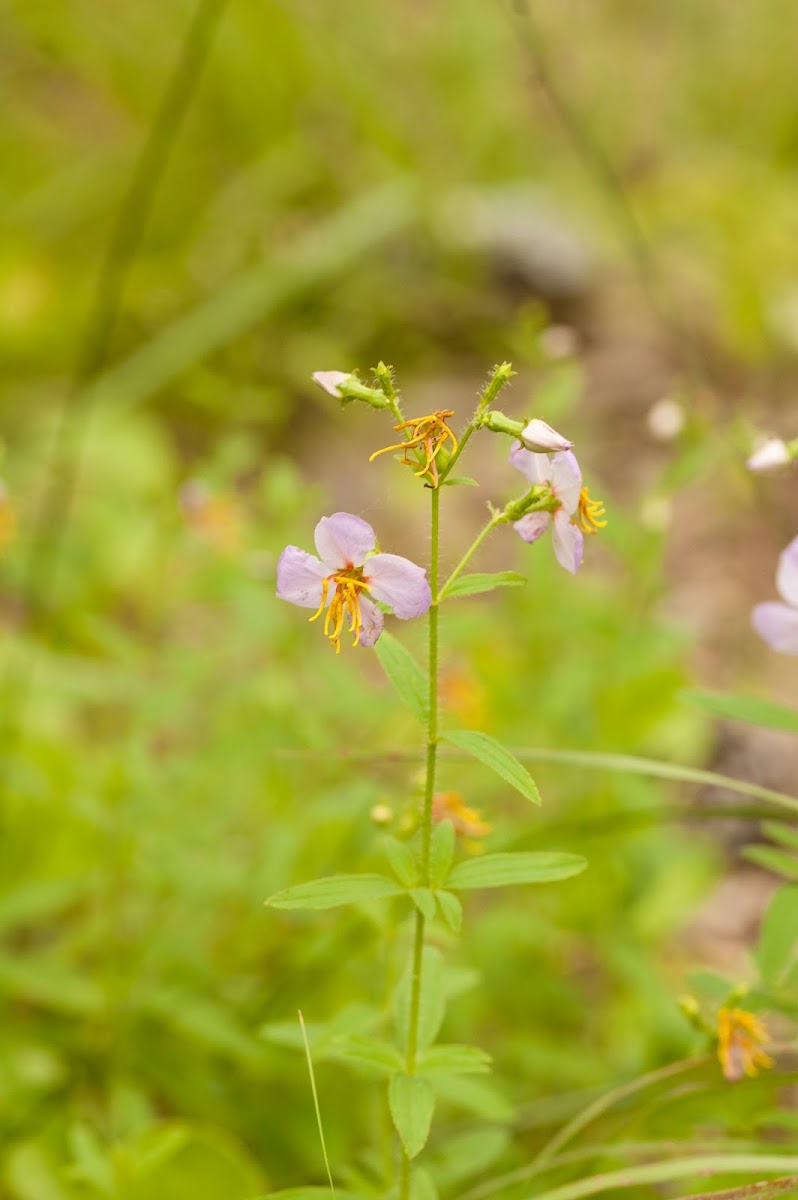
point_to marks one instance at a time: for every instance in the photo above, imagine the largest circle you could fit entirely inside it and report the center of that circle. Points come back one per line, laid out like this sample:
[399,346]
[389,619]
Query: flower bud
[329,380]
[770,455]
[346,386]
[539,437]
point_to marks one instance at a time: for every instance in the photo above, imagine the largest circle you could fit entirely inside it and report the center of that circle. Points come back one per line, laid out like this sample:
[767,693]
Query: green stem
[497,519]
[426,818]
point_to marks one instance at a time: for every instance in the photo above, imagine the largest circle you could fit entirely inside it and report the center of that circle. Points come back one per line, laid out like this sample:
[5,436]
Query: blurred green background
[607,195]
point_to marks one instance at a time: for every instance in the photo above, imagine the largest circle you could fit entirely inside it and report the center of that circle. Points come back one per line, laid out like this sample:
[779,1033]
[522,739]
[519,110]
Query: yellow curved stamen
[589,513]
[428,434]
[344,605]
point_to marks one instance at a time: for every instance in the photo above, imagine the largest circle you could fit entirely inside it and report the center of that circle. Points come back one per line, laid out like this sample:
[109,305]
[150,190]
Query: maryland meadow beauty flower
[778,623]
[572,512]
[741,1041]
[348,577]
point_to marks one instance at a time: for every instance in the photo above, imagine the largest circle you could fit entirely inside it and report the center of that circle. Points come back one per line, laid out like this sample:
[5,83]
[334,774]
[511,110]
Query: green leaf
[424,902]
[490,752]
[476,1096]
[468,1154]
[374,1053]
[432,1000]
[459,481]
[412,1103]
[502,870]
[454,1060]
[441,852]
[335,890]
[402,861]
[422,1185]
[472,585]
[785,835]
[778,861]
[778,937]
[410,682]
[755,710]
[451,910]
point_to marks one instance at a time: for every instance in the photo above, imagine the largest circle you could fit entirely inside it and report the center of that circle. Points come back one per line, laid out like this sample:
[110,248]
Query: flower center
[344,605]
[589,513]
[425,436]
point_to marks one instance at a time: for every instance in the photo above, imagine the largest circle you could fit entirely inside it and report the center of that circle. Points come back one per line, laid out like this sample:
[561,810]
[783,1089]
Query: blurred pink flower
[347,577]
[770,456]
[778,623]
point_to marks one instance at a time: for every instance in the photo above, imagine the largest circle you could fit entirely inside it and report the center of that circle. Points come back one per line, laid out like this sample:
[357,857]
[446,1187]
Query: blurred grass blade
[316,1101]
[326,251]
[754,710]
[677,1168]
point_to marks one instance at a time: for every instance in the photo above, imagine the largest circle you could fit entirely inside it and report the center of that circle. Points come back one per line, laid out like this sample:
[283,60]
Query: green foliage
[405,674]
[503,870]
[487,750]
[472,585]
[756,710]
[334,891]
[412,1105]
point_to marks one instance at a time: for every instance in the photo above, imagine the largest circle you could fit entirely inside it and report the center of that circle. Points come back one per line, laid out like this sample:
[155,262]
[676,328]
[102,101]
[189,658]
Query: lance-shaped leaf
[503,870]
[335,890]
[410,682]
[755,710]
[494,755]
[412,1103]
[472,585]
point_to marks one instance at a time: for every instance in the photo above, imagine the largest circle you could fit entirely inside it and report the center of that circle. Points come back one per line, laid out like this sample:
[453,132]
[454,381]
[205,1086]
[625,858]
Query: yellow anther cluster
[741,1038]
[425,434]
[589,513]
[344,604]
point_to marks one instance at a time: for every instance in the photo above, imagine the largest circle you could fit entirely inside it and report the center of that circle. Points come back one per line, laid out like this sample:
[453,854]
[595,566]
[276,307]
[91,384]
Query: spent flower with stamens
[778,623]
[742,1038]
[348,577]
[569,511]
[425,437]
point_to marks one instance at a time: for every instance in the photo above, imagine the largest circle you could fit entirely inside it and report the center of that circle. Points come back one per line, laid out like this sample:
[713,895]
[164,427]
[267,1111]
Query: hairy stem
[496,519]
[426,818]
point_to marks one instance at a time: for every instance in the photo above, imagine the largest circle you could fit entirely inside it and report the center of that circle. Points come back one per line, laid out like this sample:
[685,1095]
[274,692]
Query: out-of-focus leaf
[454,1060]
[441,854]
[755,710]
[778,861]
[432,1000]
[451,910]
[412,1103]
[778,937]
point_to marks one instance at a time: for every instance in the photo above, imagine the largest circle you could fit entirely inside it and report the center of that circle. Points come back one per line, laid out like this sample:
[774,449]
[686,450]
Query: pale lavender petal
[769,456]
[299,577]
[399,583]
[568,542]
[566,479]
[534,467]
[344,540]
[778,625]
[787,573]
[532,526]
[539,436]
[329,380]
[372,622]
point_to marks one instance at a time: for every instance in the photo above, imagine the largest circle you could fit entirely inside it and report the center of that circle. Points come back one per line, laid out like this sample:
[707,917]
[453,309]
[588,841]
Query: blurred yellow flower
[8,518]
[467,822]
[741,1038]
[463,695]
[216,519]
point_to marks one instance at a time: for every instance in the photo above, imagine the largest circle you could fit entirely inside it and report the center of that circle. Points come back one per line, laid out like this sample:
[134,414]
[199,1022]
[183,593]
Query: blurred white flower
[666,419]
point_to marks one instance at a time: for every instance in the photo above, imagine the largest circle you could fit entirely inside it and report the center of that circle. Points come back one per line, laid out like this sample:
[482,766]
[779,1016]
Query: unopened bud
[539,437]
[381,814]
[347,387]
[770,456]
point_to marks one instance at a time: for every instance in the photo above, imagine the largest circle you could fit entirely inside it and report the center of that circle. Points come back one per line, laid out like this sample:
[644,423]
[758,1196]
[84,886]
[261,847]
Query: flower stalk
[426,816]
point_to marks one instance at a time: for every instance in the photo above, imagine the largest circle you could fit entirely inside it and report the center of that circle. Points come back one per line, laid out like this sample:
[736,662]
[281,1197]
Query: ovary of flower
[741,1038]
[778,623]
[349,576]
[572,513]
[428,434]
